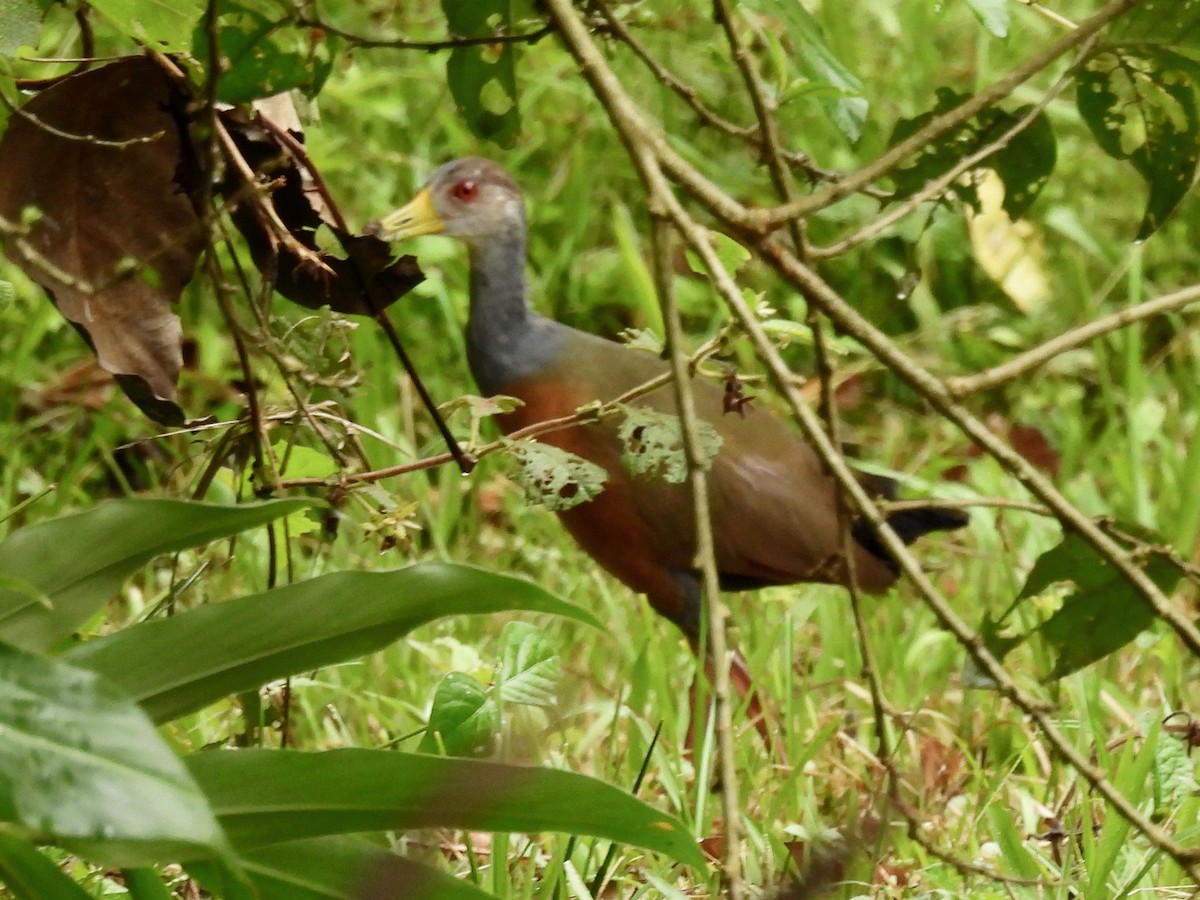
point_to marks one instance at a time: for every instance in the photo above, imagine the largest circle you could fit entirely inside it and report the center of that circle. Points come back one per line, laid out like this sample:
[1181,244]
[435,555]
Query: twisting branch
[765,219]
[1076,337]
[938,186]
[939,396]
[643,151]
[749,134]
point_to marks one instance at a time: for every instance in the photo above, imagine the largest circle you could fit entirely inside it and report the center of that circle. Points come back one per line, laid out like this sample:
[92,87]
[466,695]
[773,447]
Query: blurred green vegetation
[1116,419]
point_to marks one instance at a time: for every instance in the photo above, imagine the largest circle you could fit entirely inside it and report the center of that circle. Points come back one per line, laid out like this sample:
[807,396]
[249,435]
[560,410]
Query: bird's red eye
[465,190]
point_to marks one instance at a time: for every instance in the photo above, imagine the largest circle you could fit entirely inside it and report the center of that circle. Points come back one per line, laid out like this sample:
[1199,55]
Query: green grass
[976,776]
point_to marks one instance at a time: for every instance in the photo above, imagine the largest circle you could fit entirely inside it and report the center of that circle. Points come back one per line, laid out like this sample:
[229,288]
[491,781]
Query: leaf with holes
[483,80]
[111,232]
[555,478]
[530,670]
[1141,106]
[654,444]
[1149,23]
[1100,612]
[1173,775]
[1024,163]
[463,720]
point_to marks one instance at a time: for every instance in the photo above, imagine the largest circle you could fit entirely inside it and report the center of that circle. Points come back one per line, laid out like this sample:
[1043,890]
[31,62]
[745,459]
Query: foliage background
[978,796]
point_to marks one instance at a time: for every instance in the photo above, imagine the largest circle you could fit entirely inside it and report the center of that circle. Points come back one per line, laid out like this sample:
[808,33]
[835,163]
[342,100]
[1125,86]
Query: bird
[774,508]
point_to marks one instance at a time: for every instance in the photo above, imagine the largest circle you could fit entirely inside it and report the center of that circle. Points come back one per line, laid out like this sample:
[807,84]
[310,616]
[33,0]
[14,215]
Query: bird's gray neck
[506,340]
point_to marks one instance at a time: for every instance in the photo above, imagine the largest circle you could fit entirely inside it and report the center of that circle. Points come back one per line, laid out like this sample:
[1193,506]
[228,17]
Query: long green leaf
[26,872]
[55,574]
[83,767]
[268,796]
[339,868]
[243,643]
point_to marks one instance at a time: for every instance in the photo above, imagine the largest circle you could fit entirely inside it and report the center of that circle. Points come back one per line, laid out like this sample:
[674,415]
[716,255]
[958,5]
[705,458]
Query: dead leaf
[1010,252]
[941,768]
[364,281]
[98,179]
[1029,441]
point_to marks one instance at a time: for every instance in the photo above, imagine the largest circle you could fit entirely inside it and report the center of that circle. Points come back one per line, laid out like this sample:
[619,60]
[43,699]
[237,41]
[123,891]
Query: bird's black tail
[909,524]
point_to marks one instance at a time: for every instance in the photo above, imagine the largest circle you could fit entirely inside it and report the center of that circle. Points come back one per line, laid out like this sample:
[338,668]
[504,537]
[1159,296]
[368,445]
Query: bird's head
[471,199]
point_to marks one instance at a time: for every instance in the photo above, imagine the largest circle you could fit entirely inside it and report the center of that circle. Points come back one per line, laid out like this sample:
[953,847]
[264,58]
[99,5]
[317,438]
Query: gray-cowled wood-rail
[774,509]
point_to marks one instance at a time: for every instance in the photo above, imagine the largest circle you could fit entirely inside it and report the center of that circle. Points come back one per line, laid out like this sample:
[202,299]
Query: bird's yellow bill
[414,218]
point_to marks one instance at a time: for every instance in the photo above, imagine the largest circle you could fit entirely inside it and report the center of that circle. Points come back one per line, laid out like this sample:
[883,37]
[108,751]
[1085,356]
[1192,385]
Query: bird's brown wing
[774,514]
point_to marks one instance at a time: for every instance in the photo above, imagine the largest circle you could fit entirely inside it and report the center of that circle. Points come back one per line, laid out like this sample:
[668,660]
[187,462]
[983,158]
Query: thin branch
[586,415]
[1076,337]
[715,612]
[845,317]
[938,186]
[764,219]
[314,20]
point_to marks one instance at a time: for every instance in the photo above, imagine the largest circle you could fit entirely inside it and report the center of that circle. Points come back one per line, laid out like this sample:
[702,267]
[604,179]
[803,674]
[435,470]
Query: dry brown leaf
[363,282]
[107,211]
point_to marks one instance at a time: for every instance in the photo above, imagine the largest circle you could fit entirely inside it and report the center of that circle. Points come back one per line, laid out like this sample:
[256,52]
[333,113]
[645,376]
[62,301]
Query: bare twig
[1076,337]
[714,608]
[586,415]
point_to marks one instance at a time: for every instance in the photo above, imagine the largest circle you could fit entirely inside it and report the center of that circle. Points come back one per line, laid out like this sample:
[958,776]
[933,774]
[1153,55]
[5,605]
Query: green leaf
[241,644]
[998,645]
[1149,23]
[339,868]
[530,670]
[1024,164]
[1141,106]
[1173,775]
[260,58]
[845,104]
[20,24]
[654,444]
[556,478]
[160,24]
[1102,612]
[30,875]
[297,461]
[483,80]
[463,720]
[993,14]
[84,767]
[55,574]
[145,884]
[266,796]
